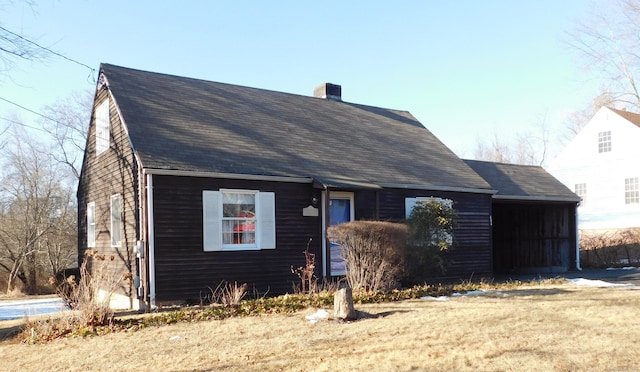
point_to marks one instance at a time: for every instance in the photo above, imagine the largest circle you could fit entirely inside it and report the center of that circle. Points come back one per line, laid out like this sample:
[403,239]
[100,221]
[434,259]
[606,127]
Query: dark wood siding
[112,172]
[472,252]
[184,271]
[534,238]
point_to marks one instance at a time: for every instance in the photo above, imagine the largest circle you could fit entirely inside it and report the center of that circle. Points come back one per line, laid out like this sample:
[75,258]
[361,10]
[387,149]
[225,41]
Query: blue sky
[465,69]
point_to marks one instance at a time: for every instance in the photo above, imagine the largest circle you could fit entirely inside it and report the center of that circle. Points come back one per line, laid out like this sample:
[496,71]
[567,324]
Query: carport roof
[522,182]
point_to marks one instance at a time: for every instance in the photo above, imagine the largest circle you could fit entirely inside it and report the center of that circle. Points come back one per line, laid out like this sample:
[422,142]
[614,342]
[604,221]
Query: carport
[533,219]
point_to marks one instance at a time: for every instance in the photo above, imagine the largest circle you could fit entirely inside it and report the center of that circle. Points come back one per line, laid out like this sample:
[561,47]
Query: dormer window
[604,141]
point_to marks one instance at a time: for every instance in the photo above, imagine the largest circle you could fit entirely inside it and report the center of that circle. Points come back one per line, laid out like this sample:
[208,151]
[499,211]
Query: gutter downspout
[151,255]
[577,242]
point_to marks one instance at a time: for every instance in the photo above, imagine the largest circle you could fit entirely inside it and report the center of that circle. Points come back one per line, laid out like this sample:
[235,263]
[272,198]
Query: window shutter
[211,219]
[267,220]
[91,225]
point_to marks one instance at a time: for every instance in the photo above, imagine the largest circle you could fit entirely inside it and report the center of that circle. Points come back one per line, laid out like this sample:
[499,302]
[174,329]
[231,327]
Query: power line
[48,50]
[22,124]
[31,111]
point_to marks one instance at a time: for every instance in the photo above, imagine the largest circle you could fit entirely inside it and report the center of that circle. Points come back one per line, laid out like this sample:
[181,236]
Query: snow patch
[317,316]
[597,283]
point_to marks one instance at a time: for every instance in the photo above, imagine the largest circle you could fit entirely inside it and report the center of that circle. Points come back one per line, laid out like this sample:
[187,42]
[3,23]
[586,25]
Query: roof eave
[236,176]
[538,198]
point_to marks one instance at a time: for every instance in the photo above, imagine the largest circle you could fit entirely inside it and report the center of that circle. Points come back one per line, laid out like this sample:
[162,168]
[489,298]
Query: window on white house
[631,191]
[91,225]
[116,220]
[102,127]
[238,220]
[581,191]
[604,141]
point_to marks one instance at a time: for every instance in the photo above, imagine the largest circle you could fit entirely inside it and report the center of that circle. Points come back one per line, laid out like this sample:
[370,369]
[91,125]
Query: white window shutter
[211,219]
[267,220]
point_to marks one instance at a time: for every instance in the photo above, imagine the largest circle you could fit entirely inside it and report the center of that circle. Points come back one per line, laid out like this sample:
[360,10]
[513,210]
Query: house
[187,183]
[600,164]
[534,219]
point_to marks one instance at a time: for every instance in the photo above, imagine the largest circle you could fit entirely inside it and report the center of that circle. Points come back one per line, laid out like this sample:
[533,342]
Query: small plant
[306,273]
[227,294]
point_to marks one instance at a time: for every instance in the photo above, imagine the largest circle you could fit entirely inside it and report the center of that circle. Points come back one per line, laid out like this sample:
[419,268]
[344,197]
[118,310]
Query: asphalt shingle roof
[187,124]
[524,182]
[630,116]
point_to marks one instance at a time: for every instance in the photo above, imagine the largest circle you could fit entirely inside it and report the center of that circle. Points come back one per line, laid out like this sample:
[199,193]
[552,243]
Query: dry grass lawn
[555,328]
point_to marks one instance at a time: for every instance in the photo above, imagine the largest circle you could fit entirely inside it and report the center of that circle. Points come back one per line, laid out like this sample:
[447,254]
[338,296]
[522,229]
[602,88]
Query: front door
[340,211]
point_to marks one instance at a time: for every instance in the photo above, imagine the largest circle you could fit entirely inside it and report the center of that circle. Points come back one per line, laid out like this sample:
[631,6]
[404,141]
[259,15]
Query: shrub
[612,248]
[430,235]
[373,252]
[91,294]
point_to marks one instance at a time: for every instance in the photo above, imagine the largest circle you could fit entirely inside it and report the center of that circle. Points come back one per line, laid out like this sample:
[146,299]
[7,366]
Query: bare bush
[90,295]
[306,273]
[228,294]
[373,252]
[612,248]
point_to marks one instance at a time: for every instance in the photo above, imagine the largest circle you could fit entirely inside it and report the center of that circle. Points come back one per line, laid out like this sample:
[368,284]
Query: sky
[467,70]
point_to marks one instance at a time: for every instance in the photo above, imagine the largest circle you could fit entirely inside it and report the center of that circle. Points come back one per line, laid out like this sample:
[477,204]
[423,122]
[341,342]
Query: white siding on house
[603,173]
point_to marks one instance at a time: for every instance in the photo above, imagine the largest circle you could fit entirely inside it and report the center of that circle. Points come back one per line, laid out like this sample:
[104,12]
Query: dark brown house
[188,183]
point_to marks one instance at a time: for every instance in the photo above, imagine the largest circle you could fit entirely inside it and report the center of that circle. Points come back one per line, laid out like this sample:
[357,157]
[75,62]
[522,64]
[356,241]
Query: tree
[607,43]
[528,147]
[69,129]
[36,215]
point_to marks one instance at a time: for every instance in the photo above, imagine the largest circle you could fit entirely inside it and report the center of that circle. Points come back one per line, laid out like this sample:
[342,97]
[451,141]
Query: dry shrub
[228,294]
[306,273]
[91,294]
[612,248]
[373,252]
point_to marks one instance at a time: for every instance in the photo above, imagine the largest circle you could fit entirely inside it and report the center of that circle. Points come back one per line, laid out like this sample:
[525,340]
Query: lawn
[560,327]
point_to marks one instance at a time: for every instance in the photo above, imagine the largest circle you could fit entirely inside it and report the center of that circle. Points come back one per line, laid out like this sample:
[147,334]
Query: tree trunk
[343,305]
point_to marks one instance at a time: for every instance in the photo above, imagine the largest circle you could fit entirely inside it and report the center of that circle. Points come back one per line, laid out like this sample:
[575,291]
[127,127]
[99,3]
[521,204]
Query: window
[447,204]
[581,191]
[631,191]
[604,141]
[238,220]
[116,220]
[91,225]
[102,127]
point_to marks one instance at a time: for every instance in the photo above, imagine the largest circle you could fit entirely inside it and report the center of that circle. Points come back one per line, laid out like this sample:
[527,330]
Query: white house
[601,165]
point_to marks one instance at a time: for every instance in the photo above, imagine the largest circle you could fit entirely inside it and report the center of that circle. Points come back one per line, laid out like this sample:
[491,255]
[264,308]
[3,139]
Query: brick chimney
[328,91]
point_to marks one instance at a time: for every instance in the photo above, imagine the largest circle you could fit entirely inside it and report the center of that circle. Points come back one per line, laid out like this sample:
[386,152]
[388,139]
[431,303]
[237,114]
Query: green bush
[430,236]
[373,252]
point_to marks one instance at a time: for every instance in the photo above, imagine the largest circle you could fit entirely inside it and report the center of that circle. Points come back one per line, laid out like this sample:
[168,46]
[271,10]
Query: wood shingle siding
[184,271]
[112,172]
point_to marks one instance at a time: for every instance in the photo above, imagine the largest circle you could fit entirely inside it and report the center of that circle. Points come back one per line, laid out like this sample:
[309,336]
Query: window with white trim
[631,191]
[238,220]
[91,225]
[102,127]
[410,203]
[604,141]
[116,220]
[581,191]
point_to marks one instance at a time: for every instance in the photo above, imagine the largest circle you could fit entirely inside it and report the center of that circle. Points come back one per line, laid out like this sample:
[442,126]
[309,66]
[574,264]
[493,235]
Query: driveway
[21,308]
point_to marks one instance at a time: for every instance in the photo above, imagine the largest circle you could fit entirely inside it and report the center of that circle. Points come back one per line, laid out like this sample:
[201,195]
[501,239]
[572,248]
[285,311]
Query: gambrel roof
[522,182]
[190,125]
